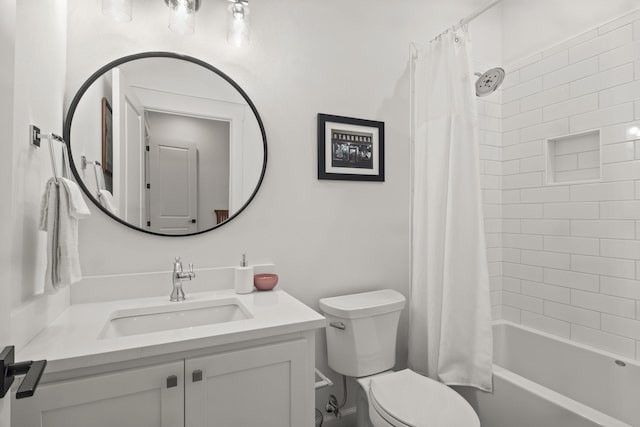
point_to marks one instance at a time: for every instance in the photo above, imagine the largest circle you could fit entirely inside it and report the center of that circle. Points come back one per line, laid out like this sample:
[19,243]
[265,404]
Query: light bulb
[238,33]
[119,10]
[182,16]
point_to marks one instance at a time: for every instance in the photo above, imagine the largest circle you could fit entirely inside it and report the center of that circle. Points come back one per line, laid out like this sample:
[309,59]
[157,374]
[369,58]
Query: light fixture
[120,10]
[238,31]
[182,15]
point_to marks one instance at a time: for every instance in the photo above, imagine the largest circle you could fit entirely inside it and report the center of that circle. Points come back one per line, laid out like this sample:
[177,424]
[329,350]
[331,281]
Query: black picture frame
[350,149]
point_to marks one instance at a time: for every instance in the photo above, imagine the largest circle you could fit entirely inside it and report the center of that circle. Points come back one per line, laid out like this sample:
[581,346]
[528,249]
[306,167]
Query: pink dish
[265,282]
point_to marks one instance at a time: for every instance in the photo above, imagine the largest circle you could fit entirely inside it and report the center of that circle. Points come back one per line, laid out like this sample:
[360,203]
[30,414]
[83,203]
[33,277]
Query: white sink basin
[179,315]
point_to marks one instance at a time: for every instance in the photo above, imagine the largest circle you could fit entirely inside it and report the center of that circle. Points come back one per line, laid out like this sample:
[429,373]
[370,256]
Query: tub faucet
[178,276]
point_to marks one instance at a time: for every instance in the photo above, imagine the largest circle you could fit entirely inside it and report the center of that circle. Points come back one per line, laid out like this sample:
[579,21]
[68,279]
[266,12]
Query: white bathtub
[542,380]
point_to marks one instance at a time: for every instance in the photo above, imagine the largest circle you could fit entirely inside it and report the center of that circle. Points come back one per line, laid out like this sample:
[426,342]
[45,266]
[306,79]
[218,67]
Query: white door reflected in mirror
[180,147]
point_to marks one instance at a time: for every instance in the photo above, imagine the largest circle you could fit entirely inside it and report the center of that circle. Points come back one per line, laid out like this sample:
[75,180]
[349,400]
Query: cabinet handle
[172,381]
[196,376]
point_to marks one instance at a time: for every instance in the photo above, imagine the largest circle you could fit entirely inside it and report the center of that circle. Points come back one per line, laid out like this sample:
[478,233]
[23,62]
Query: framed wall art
[350,149]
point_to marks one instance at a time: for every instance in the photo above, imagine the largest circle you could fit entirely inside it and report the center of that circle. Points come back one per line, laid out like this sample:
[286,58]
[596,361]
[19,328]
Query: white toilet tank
[362,330]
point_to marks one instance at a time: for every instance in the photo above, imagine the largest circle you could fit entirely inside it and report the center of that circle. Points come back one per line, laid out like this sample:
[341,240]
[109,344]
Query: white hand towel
[106,200]
[62,206]
[77,206]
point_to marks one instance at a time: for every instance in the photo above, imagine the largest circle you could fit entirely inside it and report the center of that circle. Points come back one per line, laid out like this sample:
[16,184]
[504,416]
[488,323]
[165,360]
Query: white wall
[571,252]
[7,53]
[347,58]
[40,61]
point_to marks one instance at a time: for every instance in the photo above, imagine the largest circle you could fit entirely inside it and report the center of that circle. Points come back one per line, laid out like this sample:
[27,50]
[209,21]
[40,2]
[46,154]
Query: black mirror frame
[95,76]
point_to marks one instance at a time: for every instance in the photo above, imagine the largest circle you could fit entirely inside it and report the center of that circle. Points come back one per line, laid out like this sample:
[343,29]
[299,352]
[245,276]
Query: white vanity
[217,359]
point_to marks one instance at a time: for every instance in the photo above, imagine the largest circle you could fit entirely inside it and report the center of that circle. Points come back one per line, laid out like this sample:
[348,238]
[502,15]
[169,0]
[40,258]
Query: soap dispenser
[243,278]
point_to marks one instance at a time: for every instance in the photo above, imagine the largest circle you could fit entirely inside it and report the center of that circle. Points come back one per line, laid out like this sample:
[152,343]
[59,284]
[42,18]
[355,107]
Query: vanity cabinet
[269,385]
[143,397]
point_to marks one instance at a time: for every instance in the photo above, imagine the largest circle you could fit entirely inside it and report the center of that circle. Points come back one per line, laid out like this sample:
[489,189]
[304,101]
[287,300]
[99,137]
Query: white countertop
[72,340]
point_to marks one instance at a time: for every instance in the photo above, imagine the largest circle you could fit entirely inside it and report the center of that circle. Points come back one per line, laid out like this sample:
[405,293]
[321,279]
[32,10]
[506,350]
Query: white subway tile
[571,107]
[489,152]
[637,190]
[523,302]
[571,73]
[522,211]
[565,162]
[637,107]
[511,79]
[619,133]
[572,314]
[602,340]
[521,271]
[620,287]
[520,91]
[603,229]
[511,167]
[619,22]
[490,181]
[603,80]
[491,211]
[493,225]
[523,180]
[553,227]
[602,191]
[574,210]
[629,249]
[532,164]
[510,108]
[575,145]
[486,123]
[511,284]
[578,175]
[623,171]
[545,130]
[495,283]
[519,151]
[523,120]
[601,44]
[636,31]
[493,109]
[523,62]
[493,139]
[545,194]
[493,240]
[522,241]
[546,65]
[546,324]
[510,225]
[491,167]
[547,292]
[492,196]
[621,55]
[511,255]
[571,42]
[589,159]
[620,152]
[510,138]
[621,326]
[604,303]
[626,209]
[495,268]
[620,94]
[604,266]
[496,298]
[637,70]
[544,98]
[572,245]
[511,314]
[603,117]
[511,196]
[571,279]
[546,259]
[496,312]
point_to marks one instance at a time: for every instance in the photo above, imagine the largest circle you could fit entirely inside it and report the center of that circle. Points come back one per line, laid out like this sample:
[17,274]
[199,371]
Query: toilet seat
[407,399]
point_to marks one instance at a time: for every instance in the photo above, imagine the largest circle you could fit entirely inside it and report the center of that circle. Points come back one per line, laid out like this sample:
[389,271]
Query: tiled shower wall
[565,258]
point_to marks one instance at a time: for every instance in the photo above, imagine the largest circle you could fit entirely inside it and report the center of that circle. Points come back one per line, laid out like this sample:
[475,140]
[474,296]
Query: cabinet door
[145,397]
[266,386]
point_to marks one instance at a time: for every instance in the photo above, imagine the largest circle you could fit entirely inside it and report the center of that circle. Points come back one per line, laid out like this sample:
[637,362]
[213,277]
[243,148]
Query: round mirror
[166,144]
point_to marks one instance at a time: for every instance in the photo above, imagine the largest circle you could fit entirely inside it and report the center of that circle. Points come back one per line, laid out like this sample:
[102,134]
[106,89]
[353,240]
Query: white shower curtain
[450,320]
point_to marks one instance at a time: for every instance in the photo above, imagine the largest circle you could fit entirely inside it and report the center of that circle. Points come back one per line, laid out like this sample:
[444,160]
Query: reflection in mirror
[169,146]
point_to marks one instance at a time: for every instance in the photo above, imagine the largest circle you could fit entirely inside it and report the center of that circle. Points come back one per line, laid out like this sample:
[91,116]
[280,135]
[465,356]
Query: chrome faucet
[178,276]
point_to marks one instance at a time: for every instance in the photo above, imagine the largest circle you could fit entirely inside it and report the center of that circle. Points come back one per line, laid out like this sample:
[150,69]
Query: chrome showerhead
[489,82]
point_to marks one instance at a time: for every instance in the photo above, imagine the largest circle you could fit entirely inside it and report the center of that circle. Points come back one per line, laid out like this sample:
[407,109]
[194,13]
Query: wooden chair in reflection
[221,215]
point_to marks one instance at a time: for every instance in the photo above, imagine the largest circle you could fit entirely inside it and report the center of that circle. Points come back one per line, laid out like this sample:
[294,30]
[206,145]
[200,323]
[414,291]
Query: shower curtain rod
[470,18]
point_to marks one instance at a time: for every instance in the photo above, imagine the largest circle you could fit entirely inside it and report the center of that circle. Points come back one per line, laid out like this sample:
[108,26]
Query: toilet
[361,343]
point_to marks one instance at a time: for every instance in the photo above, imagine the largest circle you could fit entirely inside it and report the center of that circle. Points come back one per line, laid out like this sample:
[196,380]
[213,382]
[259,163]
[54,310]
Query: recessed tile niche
[574,158]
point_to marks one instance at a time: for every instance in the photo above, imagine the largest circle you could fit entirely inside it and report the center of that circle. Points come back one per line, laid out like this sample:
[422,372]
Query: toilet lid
[410,399]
